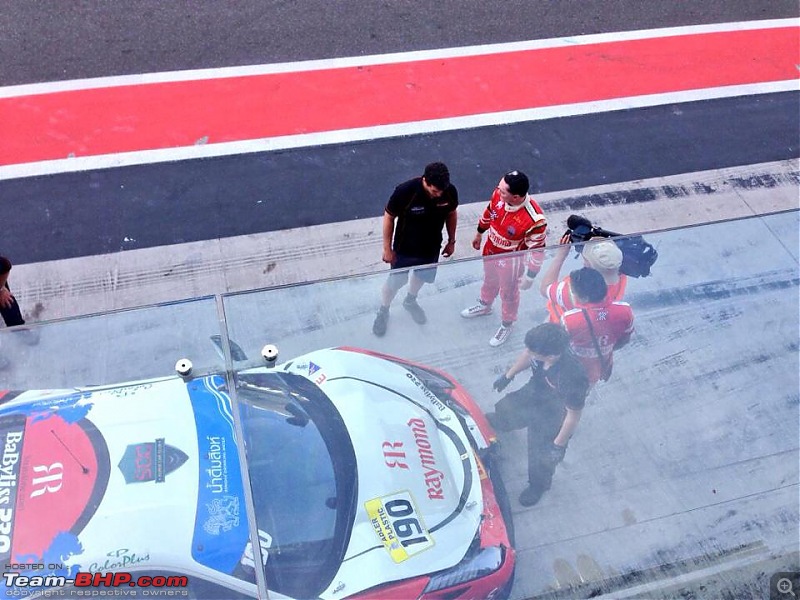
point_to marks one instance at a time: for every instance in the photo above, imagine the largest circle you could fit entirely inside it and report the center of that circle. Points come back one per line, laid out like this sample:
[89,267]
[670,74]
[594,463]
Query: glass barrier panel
[374,467]
[372,463]
[115,470]
[108,348]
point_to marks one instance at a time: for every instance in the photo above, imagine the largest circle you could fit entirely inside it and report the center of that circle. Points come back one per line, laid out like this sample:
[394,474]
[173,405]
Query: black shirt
[564,384]
[420,218]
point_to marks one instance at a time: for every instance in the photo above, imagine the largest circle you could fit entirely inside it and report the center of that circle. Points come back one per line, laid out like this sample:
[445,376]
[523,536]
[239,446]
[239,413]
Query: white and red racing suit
[511,228]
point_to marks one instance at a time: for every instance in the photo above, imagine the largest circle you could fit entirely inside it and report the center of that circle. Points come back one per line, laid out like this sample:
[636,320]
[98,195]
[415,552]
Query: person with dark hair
[597,324]
[588,285]
[412,237]
[549,405]
[601,254]
[515,222]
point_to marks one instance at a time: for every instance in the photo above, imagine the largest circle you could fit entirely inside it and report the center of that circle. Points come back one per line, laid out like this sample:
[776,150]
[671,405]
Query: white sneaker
[479,310]
[501,336]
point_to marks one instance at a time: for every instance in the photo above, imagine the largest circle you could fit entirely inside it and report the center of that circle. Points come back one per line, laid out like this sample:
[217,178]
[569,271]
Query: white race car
[360,475]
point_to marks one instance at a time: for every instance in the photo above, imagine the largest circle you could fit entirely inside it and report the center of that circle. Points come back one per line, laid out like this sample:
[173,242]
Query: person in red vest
[514,222]
[601,254]
[596,325]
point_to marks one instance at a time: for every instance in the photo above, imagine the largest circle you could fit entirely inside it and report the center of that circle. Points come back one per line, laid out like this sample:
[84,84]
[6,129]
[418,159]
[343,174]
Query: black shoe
[530,496]
[410,304]
[381,319]
[494,421]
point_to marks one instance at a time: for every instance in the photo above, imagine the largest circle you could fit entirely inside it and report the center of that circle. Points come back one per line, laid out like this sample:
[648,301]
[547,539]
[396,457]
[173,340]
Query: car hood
[419,500]
[123,477]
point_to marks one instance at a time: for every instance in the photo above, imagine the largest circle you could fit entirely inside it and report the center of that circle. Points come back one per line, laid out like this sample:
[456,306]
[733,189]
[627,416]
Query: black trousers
[12,315]
[529,407]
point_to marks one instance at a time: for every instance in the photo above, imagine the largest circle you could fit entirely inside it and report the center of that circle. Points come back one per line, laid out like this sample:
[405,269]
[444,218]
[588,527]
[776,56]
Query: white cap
[603,255]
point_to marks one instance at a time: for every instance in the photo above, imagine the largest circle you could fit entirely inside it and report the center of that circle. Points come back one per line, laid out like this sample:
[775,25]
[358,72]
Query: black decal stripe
[102,477]
[464,452]
[363,552]
[462,449]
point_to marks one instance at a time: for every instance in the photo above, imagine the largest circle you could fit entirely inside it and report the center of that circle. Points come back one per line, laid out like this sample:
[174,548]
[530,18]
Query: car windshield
[302,472]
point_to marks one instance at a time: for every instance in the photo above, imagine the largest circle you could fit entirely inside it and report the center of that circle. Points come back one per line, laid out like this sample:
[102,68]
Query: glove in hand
[555,454]
[501,383]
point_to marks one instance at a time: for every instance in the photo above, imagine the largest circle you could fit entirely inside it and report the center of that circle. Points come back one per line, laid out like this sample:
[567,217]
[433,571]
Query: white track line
[344,136]
[382,59]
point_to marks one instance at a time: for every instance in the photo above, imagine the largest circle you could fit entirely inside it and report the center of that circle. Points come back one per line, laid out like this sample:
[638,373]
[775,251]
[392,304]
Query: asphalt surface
[102,212]
[48,40]
[168,203]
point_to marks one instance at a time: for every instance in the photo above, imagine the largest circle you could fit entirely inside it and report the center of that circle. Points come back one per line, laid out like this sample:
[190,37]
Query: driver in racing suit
[515,222]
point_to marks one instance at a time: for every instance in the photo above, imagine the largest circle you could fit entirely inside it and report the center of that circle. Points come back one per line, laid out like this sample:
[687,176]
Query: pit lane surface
[158,118]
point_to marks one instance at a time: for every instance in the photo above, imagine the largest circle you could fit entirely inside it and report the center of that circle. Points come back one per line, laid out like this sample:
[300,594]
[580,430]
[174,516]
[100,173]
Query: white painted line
[382,59]
[343,136]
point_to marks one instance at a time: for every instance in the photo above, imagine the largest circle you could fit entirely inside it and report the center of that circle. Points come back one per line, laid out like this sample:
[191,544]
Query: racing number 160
[403,525]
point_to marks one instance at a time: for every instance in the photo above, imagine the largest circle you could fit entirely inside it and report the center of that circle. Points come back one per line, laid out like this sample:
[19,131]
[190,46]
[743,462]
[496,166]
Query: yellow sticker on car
[398,525]
[481,469]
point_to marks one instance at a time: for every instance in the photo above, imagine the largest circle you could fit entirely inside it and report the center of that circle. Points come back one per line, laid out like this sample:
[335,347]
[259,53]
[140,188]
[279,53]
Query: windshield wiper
[299,417]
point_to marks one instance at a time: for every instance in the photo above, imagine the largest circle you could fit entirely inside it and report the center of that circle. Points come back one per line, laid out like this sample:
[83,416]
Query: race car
[343,473]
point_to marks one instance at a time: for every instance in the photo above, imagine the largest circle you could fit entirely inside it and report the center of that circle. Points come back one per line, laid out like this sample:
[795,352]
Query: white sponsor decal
[223,515]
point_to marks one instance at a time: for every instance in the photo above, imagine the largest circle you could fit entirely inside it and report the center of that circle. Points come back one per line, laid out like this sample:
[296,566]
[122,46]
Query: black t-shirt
[420,218]
[564,385]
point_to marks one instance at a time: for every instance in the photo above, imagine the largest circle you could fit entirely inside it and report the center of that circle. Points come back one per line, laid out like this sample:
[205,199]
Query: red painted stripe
[163,115]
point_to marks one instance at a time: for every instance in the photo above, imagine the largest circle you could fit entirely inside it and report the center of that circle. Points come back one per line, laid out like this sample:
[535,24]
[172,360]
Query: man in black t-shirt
[549,405]
[415,215]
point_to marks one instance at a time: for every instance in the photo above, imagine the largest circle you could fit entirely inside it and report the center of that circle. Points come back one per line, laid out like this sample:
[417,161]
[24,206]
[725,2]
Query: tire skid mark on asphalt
[274,253]
[139,277]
